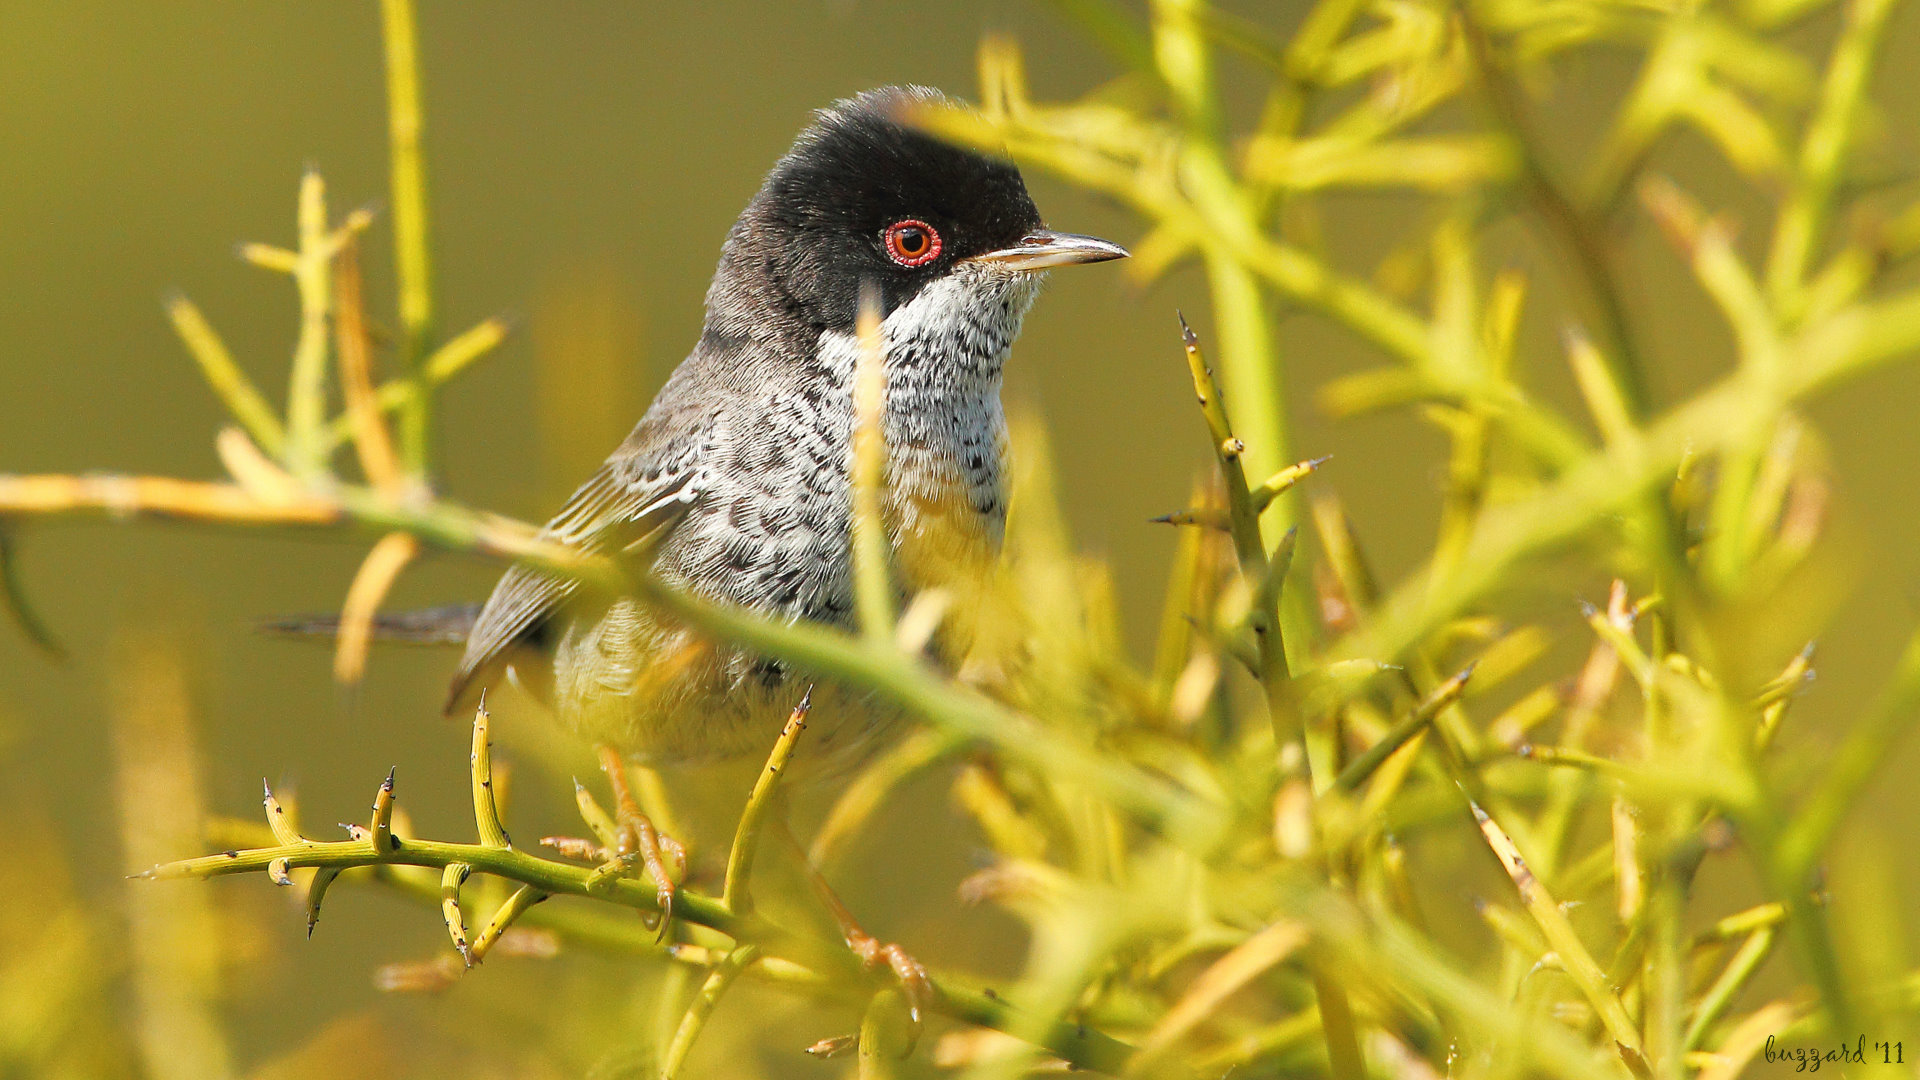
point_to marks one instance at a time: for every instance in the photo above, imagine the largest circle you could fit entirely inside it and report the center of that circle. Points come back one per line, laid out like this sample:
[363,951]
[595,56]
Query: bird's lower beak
[1042,248]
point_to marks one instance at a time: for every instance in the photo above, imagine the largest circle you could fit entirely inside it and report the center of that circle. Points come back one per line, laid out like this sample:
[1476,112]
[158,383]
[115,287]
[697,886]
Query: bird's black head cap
[854,201]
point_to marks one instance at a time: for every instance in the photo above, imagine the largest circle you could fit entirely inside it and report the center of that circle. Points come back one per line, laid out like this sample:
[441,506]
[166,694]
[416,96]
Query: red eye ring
[911,242]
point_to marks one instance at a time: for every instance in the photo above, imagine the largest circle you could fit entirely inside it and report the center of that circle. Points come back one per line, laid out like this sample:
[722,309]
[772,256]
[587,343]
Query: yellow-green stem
[412,255]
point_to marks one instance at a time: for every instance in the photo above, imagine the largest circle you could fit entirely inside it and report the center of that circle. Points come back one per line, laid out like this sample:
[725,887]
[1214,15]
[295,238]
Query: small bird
[736,484]
[739,473]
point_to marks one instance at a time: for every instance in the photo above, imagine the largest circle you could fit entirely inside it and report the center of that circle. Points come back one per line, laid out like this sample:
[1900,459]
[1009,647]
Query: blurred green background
[585,161]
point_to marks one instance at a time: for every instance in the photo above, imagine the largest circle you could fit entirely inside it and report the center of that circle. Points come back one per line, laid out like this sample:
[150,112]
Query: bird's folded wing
[624,504]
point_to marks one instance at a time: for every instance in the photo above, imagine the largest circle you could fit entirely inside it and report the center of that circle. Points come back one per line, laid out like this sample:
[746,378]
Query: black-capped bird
[738,476]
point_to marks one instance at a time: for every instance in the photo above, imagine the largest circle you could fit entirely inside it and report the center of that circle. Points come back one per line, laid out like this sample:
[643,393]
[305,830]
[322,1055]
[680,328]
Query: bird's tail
[448,624]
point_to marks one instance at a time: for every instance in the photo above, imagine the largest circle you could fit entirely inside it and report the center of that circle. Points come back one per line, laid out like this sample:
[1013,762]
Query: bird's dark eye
[911,242]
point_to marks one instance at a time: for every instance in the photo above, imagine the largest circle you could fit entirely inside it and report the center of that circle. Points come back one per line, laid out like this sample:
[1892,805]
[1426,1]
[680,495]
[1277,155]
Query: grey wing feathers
[625,502]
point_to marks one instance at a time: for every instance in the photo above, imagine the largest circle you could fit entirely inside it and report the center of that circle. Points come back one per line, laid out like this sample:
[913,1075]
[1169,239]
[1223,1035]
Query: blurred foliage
[1218,859]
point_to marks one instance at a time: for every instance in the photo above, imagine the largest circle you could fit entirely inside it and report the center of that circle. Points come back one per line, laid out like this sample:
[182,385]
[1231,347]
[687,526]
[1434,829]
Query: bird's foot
[916,986]
[663,857]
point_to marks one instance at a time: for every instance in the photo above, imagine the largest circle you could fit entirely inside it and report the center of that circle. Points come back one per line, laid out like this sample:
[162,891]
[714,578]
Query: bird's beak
[1042,248]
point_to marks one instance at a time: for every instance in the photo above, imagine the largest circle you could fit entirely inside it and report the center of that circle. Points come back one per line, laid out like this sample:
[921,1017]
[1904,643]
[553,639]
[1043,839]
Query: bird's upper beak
[1042,248]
